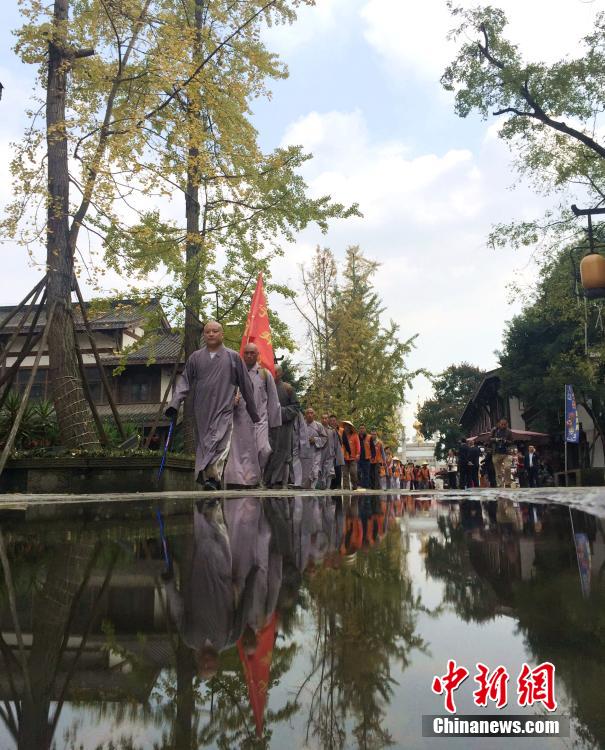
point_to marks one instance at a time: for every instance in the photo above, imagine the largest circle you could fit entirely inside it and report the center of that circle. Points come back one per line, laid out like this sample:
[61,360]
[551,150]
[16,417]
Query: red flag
[258,330]
[257,670]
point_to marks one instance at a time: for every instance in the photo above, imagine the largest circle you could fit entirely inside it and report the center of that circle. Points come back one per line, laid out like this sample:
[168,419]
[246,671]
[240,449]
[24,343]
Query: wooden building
[118,332]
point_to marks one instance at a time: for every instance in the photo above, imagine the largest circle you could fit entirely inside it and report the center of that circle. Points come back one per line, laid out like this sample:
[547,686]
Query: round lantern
[592,274]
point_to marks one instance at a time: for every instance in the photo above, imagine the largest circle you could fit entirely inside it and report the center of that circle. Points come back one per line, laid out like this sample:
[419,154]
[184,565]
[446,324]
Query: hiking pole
[158,513]
[166,446]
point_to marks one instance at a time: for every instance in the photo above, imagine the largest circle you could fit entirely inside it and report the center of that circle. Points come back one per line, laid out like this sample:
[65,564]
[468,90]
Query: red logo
[535,685]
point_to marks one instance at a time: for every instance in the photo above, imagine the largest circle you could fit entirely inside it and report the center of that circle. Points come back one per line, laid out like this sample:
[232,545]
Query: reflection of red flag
[257,669]
[258,330]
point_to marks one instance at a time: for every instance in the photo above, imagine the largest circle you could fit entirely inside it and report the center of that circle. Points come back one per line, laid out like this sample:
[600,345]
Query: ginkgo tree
[145,98]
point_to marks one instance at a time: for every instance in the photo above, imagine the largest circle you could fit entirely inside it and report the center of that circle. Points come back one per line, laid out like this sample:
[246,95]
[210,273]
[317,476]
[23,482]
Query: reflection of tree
[365,620]
[558,624]
[35,678]
[448,559]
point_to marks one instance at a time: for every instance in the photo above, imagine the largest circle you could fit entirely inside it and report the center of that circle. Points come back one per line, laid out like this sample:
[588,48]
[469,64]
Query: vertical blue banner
[572,430]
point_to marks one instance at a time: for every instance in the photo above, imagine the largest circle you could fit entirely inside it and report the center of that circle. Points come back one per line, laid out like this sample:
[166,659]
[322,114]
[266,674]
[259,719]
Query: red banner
[257,670]
[258,330]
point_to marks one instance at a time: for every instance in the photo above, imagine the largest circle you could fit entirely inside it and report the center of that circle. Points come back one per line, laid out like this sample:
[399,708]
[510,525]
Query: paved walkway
[138,505]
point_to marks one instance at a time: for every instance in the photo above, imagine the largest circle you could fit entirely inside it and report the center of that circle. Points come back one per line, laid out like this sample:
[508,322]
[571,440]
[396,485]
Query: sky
[363,96]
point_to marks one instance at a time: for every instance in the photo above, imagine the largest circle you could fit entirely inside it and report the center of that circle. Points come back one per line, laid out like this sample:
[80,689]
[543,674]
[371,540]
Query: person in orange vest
[377,459]
[365,457]
[351,449]
[424,477]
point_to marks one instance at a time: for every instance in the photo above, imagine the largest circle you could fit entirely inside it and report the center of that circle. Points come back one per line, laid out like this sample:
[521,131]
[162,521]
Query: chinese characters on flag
[534,686]
[258,330]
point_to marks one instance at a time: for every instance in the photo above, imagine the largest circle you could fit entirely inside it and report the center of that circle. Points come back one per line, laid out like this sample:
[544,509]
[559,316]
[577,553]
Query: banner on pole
[572,429]
[258,330]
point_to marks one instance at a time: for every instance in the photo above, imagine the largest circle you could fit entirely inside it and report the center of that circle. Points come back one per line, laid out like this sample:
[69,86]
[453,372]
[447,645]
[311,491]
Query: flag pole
[565,433]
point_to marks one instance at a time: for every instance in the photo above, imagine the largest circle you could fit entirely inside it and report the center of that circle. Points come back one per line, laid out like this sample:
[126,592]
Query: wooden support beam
[173,375]
[95,351]
[6,352]
[25,398]
[23,302]
[86,388]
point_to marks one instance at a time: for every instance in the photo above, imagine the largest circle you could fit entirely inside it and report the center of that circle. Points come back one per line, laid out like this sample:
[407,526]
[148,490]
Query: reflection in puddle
[298,622]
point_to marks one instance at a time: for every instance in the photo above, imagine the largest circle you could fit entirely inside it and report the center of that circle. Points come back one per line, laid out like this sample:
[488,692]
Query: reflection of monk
[250,535]
[207,610]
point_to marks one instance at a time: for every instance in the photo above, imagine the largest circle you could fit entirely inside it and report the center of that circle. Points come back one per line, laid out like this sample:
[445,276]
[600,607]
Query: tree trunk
[51,611]
[193,331]
[73,413]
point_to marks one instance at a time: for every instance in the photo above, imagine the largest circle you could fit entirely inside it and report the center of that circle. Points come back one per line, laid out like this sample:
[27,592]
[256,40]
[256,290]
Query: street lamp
[592,265]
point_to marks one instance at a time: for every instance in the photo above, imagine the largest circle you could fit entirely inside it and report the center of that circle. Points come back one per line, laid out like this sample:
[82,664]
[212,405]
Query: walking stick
[158,513]
[166,446]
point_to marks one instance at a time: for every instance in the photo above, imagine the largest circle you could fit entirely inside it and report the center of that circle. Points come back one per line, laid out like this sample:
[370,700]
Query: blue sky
[363,95]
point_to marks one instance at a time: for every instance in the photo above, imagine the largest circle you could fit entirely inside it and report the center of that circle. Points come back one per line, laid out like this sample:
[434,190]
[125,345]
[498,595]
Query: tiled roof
[162,349]
[121,314]
[146,413]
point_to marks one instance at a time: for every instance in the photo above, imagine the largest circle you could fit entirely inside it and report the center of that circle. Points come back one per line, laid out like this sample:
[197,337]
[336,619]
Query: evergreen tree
[440,415]
[367,375]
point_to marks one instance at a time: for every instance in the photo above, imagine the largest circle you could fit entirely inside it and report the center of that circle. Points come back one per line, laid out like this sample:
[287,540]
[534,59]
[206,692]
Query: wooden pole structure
[29,343]
[86,388]
[25,398]
[35,291]
[173,375]
[30,308]
[12,600]
[95,351]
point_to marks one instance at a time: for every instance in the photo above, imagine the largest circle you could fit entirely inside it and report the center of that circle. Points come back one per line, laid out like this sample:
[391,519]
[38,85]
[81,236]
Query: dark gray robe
[214,381]
[280,438]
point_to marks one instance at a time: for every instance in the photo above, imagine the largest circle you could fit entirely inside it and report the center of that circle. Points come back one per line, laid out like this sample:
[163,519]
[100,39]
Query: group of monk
[251,432]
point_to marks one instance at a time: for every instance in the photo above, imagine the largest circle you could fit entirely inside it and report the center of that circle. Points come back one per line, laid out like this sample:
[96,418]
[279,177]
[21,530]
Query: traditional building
[138,386]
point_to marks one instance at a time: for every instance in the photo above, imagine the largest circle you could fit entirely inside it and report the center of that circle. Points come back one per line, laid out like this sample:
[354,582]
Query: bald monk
[278,466]
[213,374]
[313,437]
[250,446]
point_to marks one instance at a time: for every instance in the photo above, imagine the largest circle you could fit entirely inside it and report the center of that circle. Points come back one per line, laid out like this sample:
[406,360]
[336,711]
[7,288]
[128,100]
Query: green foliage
[38,427]
[291,374]
[552,115]
[440,414]
[364,376]
[544,348]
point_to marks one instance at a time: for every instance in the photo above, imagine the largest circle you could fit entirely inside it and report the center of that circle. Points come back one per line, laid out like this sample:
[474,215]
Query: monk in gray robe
[213,374]
[328,456]
[280,438]
[298,434]
[250,446]
[313,437]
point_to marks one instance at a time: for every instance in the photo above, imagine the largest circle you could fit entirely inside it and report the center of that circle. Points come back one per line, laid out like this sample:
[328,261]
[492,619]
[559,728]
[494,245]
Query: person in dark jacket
[531,463]
[463,460]
[474,458]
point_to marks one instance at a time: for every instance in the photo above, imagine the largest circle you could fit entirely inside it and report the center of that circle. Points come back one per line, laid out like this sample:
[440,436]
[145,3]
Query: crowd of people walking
[495,464]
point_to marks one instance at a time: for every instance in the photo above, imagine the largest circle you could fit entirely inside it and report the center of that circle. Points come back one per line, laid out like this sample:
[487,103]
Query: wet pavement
[301,621]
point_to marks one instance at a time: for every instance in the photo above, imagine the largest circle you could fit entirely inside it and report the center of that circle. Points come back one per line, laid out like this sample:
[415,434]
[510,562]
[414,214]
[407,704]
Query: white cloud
[426,217]
[412,36]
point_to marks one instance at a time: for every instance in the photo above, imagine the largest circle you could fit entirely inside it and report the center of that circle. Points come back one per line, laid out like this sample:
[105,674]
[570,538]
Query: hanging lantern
[592,274]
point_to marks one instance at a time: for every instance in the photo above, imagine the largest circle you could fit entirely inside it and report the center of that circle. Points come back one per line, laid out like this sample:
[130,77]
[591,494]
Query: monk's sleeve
[290,410]
[322,437]
[183,384]
[246,388]
[273,405]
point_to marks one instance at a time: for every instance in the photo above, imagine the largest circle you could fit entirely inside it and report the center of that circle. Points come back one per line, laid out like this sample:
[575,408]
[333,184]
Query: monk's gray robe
[250,447]
[214,380]
[204,612]
[311,453]
[280,438]
[296,470]
[328,455]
